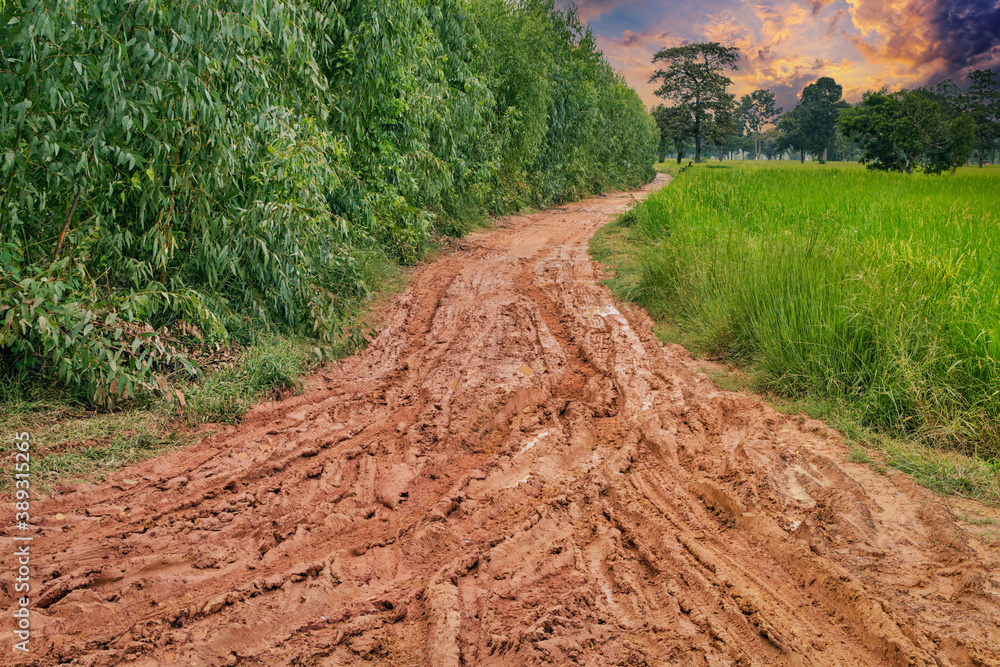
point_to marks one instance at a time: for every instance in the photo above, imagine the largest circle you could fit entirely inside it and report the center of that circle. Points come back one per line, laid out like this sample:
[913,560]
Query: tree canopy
[675,125]
[757,110]
[983,104]
[691,76]
[220,166]
[906,131]
[791,135]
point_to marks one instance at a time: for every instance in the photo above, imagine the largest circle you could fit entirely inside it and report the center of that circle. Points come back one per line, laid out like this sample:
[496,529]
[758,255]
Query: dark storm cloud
[968,32]
[942,37]
[787,94]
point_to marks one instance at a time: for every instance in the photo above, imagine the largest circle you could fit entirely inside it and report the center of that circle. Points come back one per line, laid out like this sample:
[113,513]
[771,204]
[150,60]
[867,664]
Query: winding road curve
[514,473]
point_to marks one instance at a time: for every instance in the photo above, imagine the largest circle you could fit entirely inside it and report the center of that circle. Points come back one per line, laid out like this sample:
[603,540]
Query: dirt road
[514,473]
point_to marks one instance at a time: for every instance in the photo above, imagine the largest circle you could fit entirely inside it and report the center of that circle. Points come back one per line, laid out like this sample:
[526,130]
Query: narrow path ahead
[514,473]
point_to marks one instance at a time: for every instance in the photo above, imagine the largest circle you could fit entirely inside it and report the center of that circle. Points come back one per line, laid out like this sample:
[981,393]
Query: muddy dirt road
[514,473]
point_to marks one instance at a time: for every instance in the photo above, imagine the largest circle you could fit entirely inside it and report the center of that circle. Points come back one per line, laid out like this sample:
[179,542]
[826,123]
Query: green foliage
[877,289]
[563,123]
[155,175]
[908,130]
[179,174]
[675,125]
[693,78]
[811,127]
[983,103]
[723,125]
[757,110]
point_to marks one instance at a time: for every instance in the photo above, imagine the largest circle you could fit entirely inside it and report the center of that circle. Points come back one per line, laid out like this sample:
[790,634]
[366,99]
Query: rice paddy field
[881,291]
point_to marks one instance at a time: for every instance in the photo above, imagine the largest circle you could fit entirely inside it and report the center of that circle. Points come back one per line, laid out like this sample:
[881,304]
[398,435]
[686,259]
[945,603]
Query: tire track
[513,473]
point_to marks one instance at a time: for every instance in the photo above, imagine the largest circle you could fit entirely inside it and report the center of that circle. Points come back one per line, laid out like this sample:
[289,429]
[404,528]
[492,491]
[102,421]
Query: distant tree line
[932,129]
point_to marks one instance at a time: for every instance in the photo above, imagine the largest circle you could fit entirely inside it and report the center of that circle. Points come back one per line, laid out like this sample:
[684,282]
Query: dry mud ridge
[514,473]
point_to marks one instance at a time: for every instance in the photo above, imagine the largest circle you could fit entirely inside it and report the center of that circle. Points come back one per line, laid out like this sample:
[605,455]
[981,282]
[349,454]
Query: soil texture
[515,472]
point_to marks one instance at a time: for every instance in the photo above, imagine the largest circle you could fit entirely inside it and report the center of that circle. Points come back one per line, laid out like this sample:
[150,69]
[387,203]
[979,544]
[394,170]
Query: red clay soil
[514,473]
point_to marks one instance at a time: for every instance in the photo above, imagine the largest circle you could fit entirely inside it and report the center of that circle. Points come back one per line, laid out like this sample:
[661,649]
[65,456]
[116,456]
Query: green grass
[71,442]
[978,521]
[670,167]
[876,292]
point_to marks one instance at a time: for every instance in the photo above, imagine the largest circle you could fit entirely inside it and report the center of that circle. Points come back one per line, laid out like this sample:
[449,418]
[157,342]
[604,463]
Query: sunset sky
[787,44]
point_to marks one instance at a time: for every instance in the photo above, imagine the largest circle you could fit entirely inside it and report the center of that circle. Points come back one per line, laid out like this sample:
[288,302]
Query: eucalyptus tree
[983,103]
[675,125]
[757,110]
[218,166]
[692,76]
[791,135]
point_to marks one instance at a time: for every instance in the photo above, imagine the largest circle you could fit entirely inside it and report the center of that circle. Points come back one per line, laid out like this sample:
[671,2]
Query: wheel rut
[513,473]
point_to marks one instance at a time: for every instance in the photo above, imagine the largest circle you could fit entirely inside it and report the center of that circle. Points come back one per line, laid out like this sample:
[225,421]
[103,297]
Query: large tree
[790,133]
[723,125]
[983,104]
[954,139]
[769,145]
[675,125]
[908,130]
[757,110]
[692,77]
[818,109]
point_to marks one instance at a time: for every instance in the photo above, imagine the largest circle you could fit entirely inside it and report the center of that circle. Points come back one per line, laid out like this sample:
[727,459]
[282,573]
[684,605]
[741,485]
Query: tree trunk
[802,155]
[697,149]
[678,157]
[822,157]
[69,216]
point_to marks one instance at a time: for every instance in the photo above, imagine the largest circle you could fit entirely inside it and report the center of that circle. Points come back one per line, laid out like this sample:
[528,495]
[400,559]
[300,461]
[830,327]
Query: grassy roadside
[626,246]
[73,442]
[940,470]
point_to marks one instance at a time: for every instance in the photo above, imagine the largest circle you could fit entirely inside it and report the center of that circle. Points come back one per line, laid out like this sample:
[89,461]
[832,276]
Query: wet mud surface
[514,473]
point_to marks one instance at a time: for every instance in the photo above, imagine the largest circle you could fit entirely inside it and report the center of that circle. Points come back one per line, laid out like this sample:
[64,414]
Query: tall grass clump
[882,290]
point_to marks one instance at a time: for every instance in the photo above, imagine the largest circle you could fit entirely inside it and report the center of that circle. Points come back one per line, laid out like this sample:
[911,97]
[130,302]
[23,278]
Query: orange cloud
[788,44]
[647,38]
[894,30]
[726,29]
[777,22]
[819,5]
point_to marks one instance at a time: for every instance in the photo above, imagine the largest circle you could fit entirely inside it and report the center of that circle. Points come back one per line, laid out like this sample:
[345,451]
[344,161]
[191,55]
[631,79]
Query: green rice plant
[881,290]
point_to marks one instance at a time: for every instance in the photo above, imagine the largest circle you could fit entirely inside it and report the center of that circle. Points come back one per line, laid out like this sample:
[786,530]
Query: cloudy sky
[787,44]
